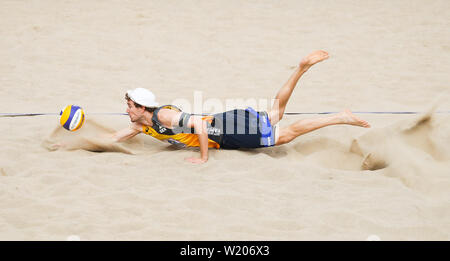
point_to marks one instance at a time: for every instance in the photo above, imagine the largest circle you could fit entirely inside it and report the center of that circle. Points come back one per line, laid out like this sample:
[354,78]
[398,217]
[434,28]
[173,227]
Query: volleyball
[72,117]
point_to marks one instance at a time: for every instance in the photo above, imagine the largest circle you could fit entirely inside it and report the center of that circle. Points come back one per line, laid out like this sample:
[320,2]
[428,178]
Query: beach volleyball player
[232,129]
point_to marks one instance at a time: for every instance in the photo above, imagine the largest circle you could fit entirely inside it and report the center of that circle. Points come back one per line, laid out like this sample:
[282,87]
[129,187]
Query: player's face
[134,112]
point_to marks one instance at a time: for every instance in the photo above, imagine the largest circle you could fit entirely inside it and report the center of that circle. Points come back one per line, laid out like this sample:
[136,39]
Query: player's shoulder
[167,114]
[167,111]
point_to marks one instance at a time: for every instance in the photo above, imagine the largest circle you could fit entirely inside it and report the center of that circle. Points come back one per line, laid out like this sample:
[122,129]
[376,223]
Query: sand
[338,183]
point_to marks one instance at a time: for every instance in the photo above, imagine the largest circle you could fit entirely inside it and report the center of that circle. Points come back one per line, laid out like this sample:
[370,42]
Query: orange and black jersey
[228,130]
[181,135]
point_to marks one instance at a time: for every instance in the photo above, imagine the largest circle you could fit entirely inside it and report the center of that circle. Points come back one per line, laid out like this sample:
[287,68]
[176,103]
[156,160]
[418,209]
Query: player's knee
[284,140]
[285,136]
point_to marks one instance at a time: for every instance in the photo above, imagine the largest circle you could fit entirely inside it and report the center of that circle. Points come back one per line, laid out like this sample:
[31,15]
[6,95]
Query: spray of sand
[93,136]
[411,150]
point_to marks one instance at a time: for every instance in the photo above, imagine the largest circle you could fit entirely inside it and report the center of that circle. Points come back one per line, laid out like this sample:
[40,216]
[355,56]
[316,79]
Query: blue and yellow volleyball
[72,117]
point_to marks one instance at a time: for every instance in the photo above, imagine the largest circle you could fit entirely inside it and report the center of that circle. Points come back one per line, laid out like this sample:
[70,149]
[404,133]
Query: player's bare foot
[347,117]
[313,58]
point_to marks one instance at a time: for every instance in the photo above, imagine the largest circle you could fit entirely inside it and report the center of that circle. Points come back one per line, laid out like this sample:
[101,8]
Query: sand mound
[410,150]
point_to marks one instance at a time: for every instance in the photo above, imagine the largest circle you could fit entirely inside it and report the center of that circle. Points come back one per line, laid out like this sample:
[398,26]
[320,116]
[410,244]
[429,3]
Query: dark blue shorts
[245,129]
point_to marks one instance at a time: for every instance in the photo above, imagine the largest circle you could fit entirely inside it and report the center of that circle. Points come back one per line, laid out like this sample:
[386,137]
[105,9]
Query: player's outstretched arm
[125,134]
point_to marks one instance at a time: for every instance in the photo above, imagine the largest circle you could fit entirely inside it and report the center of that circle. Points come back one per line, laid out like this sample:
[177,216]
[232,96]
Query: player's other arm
[199,126]
[171,118]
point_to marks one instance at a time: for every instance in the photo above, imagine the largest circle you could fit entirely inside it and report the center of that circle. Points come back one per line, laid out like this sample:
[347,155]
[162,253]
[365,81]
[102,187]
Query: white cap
[142,97]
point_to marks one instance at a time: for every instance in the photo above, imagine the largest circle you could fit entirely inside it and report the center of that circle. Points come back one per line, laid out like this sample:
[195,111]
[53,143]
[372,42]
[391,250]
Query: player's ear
[141,109]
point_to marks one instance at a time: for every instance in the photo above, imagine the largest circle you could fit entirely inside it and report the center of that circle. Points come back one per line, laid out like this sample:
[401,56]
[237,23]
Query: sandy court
[337,183]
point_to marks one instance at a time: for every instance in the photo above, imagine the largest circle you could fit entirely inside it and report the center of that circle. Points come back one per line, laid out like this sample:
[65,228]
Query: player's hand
[196,160]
